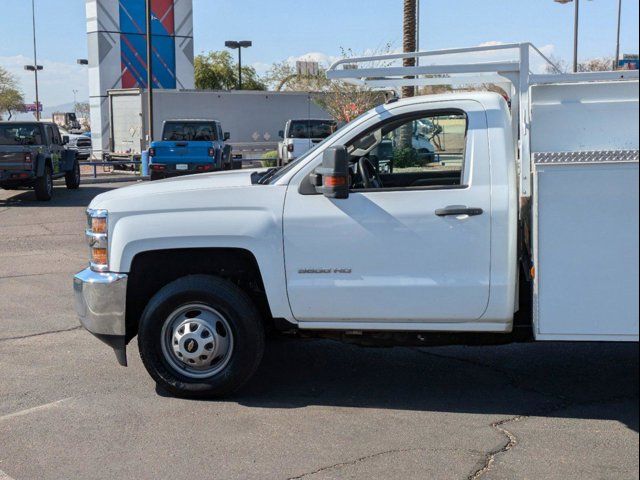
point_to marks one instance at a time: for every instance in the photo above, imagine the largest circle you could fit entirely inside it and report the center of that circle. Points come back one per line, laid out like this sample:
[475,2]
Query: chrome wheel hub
[197,341]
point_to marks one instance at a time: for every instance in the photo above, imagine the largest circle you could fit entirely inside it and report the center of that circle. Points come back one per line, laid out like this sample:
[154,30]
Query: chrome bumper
[100,300]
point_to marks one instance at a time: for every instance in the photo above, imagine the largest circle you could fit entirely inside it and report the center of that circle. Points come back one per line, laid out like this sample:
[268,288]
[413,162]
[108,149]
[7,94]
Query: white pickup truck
[300,136]
[531,234]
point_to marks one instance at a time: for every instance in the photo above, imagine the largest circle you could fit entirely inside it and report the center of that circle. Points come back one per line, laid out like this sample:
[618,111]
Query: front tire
[201,336]
[72,177]
[44,185]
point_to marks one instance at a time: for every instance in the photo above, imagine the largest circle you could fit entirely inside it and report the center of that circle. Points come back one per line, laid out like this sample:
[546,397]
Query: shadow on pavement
[61,197]
[585,380]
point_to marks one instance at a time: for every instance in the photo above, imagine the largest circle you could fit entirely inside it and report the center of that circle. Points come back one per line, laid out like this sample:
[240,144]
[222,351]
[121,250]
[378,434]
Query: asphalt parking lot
[315,410]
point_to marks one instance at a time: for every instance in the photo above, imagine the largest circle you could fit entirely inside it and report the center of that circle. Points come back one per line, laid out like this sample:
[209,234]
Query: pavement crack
[356,461]
[517,381]
[49,332]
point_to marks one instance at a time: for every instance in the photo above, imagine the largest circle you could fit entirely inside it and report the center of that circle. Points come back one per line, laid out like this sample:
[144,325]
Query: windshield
[18,134]
[311,128]
[190,132]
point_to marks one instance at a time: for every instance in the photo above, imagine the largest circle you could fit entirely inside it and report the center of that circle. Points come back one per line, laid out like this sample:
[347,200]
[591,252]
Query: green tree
[83,111]
[217,70]
[11,98]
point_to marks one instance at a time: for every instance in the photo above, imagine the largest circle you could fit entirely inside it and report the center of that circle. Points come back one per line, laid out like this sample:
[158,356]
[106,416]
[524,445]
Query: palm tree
[409,39]
[408,46]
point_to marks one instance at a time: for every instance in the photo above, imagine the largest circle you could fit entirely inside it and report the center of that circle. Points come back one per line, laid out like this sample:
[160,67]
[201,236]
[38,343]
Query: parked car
[530,234]
[300,136]
[189,146]
[81,144]
[33,154]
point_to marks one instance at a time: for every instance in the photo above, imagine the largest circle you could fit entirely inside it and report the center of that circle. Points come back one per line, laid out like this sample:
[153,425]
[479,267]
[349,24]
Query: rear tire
[224,324]
[155,176]
[44,185]
[72,177]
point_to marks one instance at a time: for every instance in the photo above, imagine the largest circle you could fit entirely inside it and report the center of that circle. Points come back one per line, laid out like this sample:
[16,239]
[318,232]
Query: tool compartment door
[584,141]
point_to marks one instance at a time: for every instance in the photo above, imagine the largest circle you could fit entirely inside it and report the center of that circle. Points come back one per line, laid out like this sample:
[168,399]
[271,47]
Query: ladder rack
[514,73]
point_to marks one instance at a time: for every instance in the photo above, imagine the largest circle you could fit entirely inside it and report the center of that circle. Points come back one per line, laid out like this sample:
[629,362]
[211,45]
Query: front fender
[257,230]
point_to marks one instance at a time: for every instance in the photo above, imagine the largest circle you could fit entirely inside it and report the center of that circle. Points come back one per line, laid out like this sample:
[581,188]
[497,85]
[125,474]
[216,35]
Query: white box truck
[253,118]
[531,234]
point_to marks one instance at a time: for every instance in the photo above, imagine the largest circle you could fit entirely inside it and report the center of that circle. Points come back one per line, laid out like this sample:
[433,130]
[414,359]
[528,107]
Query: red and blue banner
[133,43]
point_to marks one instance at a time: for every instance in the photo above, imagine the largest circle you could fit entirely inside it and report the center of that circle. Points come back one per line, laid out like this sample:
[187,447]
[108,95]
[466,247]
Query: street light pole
[575,30]
[35,57]
[617,58]
[575,36]
[239,46]
[149,73]
[240,68]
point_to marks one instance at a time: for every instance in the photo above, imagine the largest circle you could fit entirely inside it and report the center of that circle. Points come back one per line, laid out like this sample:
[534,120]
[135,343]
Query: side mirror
[332,179]
[65,139]
[281,133]
[226,136]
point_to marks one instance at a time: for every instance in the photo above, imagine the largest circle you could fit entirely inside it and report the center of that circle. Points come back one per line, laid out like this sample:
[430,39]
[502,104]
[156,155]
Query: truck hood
[171,187]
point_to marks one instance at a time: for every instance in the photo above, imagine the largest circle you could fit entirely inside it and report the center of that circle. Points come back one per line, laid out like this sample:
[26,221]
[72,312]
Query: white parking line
[39,408]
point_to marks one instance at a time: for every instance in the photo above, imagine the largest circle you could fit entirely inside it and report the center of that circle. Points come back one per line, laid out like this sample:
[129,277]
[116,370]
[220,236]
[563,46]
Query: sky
[318,29]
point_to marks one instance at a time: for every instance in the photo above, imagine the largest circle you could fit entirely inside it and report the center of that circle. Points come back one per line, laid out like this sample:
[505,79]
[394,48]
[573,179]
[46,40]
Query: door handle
[450,211]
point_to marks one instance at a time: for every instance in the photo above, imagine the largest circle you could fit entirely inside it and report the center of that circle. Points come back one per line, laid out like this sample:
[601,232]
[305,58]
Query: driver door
[387,254]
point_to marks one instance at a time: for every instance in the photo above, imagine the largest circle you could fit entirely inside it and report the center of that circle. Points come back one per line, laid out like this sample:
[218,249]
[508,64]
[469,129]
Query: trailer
[253,118]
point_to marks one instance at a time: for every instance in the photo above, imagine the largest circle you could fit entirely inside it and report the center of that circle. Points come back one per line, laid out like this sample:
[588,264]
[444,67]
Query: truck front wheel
[201,336]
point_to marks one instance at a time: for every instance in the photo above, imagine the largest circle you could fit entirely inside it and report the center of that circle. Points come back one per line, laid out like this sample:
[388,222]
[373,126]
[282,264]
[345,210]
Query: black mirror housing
[281,133]
[334,173]
[226,136]
[65,139]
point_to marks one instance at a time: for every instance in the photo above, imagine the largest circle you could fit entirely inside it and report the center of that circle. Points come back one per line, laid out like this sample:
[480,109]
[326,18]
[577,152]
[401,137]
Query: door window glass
[50,137]
[426,150]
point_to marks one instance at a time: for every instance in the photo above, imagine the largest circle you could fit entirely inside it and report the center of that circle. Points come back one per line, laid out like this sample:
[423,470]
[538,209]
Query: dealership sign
[31,107]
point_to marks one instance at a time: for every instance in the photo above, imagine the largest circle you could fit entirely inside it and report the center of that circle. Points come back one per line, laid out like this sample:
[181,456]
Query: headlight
[98,237]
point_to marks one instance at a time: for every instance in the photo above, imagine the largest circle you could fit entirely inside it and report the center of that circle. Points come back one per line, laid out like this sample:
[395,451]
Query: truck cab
[189,146]
[33,154]
[300,136]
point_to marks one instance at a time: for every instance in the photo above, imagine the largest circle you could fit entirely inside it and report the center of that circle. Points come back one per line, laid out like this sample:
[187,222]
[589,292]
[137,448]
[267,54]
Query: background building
[116,32]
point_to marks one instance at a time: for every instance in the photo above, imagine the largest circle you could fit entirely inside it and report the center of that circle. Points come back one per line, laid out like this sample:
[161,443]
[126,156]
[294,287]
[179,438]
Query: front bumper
[100,300]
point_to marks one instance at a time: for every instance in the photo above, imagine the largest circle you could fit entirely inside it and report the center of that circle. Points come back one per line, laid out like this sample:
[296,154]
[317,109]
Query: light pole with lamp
[35,67]
[239,46]
[575,30]
[617,58]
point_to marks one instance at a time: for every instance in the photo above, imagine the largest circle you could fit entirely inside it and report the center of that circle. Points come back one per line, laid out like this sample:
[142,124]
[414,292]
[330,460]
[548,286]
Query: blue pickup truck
[189,146]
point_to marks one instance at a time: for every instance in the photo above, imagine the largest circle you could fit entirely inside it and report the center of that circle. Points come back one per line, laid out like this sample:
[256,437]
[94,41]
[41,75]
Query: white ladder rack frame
[515,74]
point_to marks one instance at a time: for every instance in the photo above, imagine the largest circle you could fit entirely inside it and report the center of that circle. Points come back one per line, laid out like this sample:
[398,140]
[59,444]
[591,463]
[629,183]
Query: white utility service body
[549,182]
